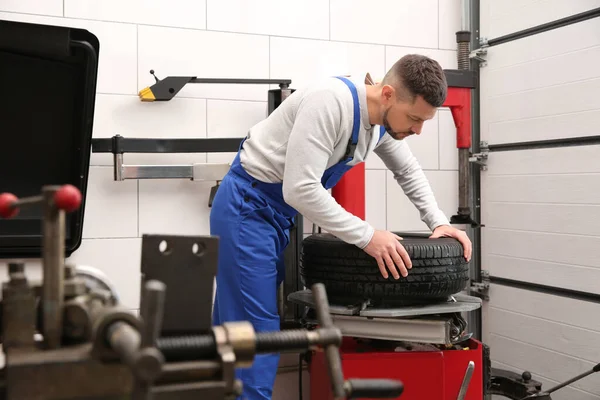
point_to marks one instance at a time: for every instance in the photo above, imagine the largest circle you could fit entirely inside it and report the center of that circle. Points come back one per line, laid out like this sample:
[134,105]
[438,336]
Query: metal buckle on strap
[350,149]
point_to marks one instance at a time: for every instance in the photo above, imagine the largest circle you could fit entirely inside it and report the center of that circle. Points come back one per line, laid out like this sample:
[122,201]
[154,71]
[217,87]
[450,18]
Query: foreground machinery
[69,337]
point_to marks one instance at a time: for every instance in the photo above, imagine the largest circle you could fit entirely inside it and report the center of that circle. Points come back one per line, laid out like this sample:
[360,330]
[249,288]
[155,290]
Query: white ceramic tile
[111,207]
[375,198]
[447,132]
[307,19]
[412,22]
[424,147]
[119,259]
[117,57]
[402,215]
[177,207]
[446,58]
[182,14]
[131,118]
[184,52]
[232,119]
[450,14]
[289,60]
[46,7]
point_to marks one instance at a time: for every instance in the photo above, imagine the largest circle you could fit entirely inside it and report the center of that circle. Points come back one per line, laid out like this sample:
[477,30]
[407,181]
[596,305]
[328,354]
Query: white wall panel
[184,52]
[289,59]
[221,124]
[425,147]
[446,58]
[177,207]
[131,118]
[111,207]
[46,7]
[450,15]
[117,63]
[402,215]
[182,14]
[307,19]
[351,21]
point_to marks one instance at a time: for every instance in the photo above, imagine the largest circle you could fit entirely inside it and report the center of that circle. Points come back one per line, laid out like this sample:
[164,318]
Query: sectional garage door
[540,194]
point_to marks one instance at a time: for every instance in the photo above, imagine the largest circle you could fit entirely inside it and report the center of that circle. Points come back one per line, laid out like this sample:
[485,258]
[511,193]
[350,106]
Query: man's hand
[387,250]
[461,236]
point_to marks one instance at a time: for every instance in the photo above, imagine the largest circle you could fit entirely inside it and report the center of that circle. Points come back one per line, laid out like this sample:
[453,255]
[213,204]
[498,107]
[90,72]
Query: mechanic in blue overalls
[286,165]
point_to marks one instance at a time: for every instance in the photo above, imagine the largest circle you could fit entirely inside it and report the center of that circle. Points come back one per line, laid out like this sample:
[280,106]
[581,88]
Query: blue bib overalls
[253,222]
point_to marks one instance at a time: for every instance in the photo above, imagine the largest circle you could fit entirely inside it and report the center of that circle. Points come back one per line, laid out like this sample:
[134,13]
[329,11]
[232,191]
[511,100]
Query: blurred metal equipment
[94,348]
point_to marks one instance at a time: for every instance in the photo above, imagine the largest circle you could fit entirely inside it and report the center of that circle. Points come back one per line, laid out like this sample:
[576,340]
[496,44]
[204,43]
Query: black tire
[351,276]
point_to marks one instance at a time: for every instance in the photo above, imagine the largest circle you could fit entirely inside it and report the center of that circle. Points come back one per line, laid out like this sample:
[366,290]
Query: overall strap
[381,131]
[356,124]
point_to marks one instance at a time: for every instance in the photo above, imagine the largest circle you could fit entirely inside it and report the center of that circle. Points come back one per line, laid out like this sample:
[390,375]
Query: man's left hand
[461,236]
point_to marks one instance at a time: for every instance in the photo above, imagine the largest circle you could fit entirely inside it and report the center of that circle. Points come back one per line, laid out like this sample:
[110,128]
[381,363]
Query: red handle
[7,208]
[67,198]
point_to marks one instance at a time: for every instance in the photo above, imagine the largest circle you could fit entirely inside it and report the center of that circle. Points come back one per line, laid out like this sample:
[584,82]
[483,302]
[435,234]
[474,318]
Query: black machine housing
[48,76]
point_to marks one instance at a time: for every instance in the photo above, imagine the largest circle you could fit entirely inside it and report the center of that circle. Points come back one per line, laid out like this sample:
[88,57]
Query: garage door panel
[578,124]
[547,307]
[543,45]
[555,336]
[509,16]
[565,276]
[548,363]
[541,246]
[550,71]
[559,160]
[566,393]
[551,218]
[548,101]
[548,189]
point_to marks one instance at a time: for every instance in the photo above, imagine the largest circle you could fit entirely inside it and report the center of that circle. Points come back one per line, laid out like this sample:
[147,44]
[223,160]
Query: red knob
[6,205]
[68,198]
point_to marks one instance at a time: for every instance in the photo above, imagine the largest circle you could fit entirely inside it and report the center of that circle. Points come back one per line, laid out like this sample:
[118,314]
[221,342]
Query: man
[286,165]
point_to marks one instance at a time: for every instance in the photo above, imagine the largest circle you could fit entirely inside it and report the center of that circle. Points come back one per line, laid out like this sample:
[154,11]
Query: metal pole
[54,262]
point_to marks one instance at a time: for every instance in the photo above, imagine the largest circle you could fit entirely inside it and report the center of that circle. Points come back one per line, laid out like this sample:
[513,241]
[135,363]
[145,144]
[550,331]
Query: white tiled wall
[299,40]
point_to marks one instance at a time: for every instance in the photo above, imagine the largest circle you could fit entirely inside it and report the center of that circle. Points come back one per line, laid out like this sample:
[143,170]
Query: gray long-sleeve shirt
[309,133]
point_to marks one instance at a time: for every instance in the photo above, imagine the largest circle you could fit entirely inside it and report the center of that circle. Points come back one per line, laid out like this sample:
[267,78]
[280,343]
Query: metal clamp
[481,157]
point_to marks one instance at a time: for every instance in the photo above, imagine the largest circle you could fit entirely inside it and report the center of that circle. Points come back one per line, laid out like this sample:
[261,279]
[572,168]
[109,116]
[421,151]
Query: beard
[394,134]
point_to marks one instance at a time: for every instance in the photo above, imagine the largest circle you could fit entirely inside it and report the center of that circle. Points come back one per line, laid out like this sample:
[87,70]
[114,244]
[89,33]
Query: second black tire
[351,276]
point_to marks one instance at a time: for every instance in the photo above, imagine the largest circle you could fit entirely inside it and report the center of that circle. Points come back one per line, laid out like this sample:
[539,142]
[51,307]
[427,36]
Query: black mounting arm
[165,89]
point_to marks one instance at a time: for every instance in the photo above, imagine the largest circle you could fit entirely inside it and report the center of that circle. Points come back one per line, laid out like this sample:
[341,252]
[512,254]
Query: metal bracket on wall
[480,53]
[481,289]
[481,157]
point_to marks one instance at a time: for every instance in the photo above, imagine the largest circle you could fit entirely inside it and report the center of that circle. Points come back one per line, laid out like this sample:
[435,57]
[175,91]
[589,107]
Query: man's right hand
[387,250]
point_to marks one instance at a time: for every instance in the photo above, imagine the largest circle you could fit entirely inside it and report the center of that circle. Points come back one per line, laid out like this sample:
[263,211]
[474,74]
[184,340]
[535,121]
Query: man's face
[403,118]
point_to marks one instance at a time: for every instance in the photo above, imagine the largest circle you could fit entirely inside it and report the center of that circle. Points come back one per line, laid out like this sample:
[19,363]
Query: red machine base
[427,375]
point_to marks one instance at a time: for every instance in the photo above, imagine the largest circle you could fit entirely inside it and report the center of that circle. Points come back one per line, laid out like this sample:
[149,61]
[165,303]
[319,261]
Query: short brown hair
[415,75]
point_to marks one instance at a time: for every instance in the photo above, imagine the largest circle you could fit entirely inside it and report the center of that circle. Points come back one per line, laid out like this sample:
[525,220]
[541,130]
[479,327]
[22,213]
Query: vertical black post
[475,318]
[289,315]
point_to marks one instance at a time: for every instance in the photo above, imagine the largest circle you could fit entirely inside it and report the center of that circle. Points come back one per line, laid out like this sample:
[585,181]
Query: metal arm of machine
[165,89]
[95,348]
